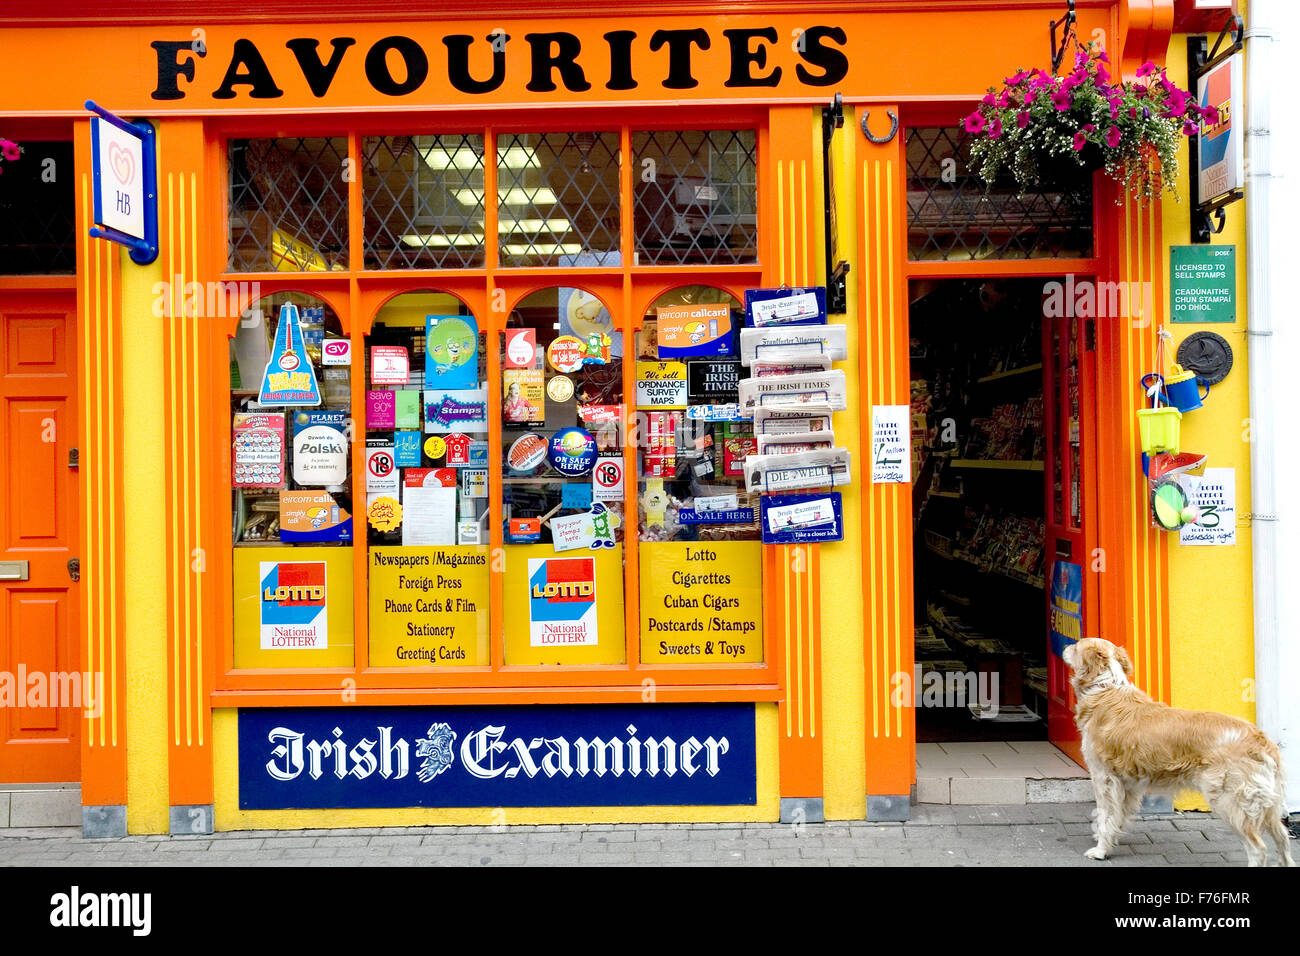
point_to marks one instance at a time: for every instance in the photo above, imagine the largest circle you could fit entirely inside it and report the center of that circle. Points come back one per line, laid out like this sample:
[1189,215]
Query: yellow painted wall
[843,668]
[1212,660]
[143,438]
[228,816]
[1212,642]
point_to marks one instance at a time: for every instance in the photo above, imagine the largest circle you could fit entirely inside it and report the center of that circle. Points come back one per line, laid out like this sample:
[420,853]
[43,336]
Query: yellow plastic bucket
[1159,428]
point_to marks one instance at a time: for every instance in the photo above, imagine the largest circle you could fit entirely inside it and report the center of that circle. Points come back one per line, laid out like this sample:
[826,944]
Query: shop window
[423,198]
[696,197]
[953,216]
[562,410]
[426,484]
[38,210]
[700,552]
[558,199]
[293,517]
[288,205]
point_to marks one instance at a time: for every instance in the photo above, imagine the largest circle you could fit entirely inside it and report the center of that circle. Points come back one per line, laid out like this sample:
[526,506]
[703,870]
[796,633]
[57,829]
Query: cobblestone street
[1043,835]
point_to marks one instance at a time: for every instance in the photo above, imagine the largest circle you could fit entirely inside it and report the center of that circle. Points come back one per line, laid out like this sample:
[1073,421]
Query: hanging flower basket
[1053,132]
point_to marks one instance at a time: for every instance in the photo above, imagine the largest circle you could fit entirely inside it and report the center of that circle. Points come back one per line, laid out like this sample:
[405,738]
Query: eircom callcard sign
[562,602]
[585,755]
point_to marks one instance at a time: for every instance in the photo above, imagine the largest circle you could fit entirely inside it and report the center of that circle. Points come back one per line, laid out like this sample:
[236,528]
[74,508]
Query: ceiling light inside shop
[532,226]
[465,158]
[543,248]
[442,240]
[517,196]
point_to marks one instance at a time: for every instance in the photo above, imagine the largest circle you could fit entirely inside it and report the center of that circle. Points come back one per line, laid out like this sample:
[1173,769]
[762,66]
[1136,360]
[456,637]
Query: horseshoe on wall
[880,140]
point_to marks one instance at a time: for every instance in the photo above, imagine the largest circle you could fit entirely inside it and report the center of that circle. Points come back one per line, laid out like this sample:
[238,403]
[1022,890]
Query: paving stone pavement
[937,835]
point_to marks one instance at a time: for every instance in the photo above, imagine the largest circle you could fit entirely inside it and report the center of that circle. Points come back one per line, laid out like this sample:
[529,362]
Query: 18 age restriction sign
[607,479]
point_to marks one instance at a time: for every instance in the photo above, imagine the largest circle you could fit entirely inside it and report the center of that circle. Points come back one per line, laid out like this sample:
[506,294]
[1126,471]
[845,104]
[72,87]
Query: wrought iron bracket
[1208,218]
[1067,34]
[836,285]
[880,140]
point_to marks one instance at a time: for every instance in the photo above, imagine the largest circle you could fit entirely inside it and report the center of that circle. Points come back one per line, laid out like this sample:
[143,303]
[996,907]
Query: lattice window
[38,230]
[953,216]
[558,197]
[288,205]
[696,197]
[423,202]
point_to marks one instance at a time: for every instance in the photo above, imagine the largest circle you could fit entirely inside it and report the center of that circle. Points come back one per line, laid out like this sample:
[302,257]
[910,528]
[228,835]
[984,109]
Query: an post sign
[1203,283]
[125,178]
[588,755]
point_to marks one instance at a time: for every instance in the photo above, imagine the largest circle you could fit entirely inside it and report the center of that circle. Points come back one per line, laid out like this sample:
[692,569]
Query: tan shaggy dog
[1133,744]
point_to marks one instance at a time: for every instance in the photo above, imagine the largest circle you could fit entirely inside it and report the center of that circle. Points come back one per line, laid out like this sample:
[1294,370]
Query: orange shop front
[468,210]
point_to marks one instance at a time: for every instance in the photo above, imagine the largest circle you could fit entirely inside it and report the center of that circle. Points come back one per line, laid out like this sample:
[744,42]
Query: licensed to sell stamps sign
[428,606]
[702,602]
[1203,283]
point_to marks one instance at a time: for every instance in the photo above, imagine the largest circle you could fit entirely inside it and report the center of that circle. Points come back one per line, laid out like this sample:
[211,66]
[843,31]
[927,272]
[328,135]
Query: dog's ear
[1067,655]
[1121,655]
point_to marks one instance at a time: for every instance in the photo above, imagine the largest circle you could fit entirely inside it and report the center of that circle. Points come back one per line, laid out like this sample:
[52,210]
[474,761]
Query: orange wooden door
[1069,376]
[41,690]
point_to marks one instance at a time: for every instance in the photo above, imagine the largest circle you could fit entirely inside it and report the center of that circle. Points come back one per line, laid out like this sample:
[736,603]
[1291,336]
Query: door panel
[42,694]
[1069,392]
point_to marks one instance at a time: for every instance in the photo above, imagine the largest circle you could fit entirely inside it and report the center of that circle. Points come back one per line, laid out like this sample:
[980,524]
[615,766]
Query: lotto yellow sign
[701,602]
[293,607]
[429,606]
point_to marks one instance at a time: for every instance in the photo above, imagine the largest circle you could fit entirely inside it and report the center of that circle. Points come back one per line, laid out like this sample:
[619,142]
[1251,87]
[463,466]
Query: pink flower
[1210,115]
[1114,103]
[995,128]
[988,99]
[1139,90]
[1019,78]
[1080,140]
[1080,60]
[974,123]
[1147,68]
[9,150]
[1177,104]
[1103,76]
[1022,119]
[1004,100]
[1190,127]
[1061,100]
[1103,57]
[1113,136]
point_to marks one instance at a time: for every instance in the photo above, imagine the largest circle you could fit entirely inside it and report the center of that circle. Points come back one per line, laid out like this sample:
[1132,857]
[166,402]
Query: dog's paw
[1096,853]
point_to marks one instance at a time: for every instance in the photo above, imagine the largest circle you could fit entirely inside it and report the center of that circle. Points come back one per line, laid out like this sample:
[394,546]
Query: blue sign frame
[577,755]
[143,251]
[828,532]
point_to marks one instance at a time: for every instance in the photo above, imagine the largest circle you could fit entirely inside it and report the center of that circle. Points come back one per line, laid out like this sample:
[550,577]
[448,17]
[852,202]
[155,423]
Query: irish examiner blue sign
[545,756]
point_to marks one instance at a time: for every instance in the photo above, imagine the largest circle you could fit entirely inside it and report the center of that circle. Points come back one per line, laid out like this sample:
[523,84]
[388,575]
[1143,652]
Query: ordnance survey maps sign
[586,755]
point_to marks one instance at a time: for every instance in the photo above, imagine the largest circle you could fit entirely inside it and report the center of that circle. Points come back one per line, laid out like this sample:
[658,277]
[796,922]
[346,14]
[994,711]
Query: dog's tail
[1275,815]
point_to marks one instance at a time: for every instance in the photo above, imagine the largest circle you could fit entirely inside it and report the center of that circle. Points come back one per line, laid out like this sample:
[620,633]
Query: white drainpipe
[1275,556]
